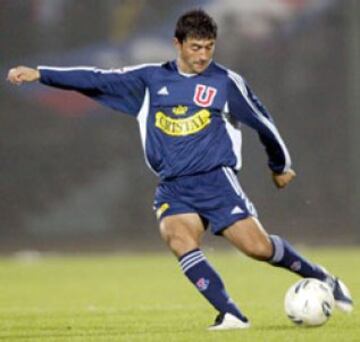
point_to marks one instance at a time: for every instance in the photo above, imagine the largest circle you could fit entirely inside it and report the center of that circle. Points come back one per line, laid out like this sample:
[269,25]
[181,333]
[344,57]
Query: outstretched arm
[120,89]
[21,74]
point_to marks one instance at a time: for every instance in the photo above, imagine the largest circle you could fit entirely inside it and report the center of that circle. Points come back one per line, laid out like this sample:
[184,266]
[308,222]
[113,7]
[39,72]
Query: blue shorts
[216,196]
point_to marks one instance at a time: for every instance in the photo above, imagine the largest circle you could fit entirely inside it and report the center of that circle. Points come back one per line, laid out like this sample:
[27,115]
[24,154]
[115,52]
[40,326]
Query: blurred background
[72,175]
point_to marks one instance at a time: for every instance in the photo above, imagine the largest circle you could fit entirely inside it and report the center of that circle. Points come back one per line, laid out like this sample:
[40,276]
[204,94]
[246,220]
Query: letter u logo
[204,95]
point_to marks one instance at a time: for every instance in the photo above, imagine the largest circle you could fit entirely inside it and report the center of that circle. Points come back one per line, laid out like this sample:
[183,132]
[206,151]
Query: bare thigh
[182,232]
[250,237]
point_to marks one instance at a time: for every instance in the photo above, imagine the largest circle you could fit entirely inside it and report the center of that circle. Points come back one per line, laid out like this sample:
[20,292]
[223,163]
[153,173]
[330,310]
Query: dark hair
[195,24]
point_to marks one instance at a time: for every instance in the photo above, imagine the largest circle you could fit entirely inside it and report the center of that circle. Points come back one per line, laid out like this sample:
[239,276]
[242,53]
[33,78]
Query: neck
[183,68]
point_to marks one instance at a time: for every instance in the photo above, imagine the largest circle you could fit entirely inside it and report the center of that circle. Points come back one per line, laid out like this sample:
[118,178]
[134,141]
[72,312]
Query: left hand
[281,180]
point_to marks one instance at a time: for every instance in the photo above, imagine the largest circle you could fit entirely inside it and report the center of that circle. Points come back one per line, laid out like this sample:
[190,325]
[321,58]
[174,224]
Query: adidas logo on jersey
[163,91]
[237,210]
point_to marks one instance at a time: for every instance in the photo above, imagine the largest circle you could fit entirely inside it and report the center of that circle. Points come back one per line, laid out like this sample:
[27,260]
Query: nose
[203,54]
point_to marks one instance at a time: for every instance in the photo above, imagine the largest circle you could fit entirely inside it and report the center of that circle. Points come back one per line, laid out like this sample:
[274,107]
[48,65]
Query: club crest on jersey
[180,110]
[204,95]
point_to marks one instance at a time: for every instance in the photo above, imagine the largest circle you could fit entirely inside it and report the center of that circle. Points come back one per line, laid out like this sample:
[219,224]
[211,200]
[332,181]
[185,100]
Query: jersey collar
[174,66]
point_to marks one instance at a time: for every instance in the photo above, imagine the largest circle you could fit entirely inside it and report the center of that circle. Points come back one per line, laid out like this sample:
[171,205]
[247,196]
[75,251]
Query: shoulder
[145,66]
[234,79]
[138,69]
[218,68]
[229,73]
[151,71]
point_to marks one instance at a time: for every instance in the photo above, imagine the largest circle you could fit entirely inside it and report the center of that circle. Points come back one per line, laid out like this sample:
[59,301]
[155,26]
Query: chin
[199,70]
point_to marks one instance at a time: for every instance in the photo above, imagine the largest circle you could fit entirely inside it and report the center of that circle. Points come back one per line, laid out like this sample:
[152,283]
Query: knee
[260,250]
[178,241]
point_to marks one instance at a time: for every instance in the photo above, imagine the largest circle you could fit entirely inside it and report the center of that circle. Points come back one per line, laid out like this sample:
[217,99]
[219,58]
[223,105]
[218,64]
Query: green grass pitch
[145,297]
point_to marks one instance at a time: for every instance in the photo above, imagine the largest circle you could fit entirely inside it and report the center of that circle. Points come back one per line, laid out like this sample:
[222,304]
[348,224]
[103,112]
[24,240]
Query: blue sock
[284,255]
[208,282]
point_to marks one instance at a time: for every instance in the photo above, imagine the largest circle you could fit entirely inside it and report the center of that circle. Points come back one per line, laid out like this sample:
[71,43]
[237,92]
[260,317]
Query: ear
[176,43]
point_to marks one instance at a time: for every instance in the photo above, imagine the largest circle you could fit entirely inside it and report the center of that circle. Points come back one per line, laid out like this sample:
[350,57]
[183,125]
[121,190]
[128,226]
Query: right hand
[22,74]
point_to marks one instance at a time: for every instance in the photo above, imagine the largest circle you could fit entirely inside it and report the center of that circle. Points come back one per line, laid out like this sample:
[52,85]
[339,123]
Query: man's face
[194,55]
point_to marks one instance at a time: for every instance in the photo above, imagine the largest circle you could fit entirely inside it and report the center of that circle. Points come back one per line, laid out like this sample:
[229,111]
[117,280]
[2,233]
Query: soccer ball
[309,302]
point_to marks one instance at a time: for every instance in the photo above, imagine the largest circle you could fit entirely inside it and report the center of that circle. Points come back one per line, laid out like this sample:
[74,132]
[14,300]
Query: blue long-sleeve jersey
[189,124]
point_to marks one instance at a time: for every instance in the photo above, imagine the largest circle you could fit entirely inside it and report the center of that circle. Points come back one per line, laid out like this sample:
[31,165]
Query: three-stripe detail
[231,177]
[233,181]
[192,259]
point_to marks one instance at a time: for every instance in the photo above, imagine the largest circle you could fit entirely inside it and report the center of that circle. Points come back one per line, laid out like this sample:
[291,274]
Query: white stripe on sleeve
[240,83]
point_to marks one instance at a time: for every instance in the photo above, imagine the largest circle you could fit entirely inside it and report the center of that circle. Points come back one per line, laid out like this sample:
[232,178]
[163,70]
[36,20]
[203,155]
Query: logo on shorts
[202,284]
[162,209]
[237,210]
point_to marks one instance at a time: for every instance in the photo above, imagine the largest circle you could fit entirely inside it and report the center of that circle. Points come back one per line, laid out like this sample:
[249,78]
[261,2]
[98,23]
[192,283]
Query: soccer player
[189,111]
